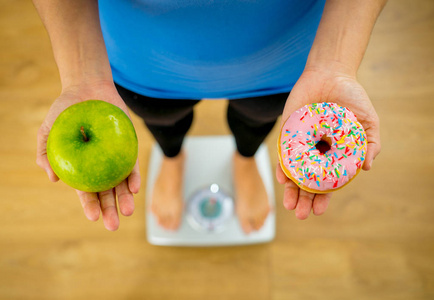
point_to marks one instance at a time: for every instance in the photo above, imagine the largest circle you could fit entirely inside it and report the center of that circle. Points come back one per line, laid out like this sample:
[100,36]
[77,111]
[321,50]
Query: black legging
[250,119]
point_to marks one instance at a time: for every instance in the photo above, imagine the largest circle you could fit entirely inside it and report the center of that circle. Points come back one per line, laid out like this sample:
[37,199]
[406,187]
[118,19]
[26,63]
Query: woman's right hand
[92,203]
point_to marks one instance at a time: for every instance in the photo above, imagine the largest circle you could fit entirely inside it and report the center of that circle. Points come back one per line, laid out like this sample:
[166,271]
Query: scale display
[209,209]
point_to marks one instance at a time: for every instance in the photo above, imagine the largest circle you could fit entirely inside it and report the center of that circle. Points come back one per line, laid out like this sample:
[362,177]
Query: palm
[327,86]
[93,203]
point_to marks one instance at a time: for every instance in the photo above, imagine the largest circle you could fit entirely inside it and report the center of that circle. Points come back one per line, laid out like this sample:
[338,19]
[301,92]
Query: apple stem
[84,134]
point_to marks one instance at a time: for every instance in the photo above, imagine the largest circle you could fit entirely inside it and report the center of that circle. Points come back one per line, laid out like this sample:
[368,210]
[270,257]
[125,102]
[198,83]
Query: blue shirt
[194,49]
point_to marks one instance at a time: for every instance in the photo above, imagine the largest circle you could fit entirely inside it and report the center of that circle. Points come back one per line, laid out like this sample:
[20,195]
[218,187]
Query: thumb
[290,107]
[134,180]
[41,153]
[374,144]
[280,176]
[296,100]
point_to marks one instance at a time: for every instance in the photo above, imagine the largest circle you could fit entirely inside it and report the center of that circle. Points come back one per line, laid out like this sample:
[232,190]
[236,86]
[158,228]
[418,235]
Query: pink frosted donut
[322,147]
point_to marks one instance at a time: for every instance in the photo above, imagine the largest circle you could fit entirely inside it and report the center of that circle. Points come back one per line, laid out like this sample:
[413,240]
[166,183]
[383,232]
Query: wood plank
[374,242]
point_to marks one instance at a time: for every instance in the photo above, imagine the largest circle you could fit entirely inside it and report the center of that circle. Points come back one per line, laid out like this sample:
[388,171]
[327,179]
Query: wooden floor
[376,240]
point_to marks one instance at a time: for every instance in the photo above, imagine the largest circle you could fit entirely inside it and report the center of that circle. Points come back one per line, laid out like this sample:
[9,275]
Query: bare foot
[251,200]
[167,201]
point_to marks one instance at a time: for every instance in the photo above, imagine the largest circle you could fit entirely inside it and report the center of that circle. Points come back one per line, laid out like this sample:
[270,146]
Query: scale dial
[209,209]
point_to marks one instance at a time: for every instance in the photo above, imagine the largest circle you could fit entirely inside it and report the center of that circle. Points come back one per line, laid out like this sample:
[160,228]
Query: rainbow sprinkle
[333,168]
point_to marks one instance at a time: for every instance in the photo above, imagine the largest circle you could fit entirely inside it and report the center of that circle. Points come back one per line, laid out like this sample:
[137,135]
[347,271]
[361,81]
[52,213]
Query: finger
[90,204]
[134,179]
[125,199]
[41,153]
[372,151]
[374,144]
[109,210]
[320,203]
[280,176]
[304,204]
[290,195]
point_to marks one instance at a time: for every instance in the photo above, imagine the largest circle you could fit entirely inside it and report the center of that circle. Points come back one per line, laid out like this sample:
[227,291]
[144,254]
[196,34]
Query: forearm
[343,34]
[76,38]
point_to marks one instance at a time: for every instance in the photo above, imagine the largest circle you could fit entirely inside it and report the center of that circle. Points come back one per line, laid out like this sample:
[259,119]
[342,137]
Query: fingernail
[370,165]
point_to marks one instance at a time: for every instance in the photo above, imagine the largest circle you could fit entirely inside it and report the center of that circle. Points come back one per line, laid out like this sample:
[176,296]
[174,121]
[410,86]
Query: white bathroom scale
[209,217]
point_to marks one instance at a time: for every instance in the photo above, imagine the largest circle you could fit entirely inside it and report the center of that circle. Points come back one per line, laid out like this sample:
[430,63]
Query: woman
[267,57]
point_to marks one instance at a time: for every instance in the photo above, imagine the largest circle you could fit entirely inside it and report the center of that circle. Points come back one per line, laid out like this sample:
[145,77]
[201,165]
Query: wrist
[331,66]
[83,64]
[335,51]
[85,77]
[88,86]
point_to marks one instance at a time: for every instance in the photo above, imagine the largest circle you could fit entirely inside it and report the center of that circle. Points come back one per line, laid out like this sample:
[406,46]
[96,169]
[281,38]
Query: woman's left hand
[327,85]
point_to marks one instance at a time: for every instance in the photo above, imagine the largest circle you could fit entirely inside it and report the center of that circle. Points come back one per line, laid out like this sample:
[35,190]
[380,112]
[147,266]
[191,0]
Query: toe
[166,221]
[257,224]
[246,226]
[173,223]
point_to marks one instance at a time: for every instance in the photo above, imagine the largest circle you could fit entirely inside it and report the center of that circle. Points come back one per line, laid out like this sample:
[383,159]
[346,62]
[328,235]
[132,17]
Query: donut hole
[323,145]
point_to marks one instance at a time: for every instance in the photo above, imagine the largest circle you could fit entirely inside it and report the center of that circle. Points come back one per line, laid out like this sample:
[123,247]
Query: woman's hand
[327,85]
[93,203]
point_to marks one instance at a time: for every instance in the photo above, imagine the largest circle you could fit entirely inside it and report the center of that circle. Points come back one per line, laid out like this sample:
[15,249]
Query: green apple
[92,146]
